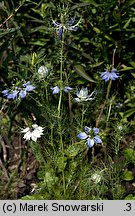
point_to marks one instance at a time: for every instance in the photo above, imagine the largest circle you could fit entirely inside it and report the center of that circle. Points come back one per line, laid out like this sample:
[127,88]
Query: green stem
[107,95]
[103,106]
[59,106]
[52,142]
[46,93]
[109,112]
[61,73]
[82,116]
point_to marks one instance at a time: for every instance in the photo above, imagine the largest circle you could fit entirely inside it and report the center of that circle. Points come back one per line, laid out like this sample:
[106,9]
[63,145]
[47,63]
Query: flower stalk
[60,100]
[107,76]
[103,105]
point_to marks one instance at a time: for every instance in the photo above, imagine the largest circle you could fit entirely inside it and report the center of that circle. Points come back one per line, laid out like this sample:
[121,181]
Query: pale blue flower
[82,95]
[67,89]
[13,95]
[5,92]
[55,90]
[110,75]
[90,136]
[22,93]
[28,87]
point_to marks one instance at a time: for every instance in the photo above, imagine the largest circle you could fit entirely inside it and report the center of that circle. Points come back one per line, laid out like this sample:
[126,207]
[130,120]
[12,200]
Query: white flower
[96,178]
[82,95]
[33,133]
[120,127]
[43,71]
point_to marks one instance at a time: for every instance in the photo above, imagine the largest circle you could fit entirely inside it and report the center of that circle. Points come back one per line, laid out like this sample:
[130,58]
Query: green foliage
[129,154]
[130,197]
[128,175]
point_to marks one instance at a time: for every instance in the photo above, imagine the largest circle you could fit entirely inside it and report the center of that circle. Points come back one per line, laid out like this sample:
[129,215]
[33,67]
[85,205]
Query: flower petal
[26,84]
[22,93]
[96,131]
[67,89]
[55,90]
[27,136]
[82,135]
[70,22]
[25,130]
[13,95]
[30,88]
[60,32]
[97,140]
[87,129]
[5,92]
[90,142]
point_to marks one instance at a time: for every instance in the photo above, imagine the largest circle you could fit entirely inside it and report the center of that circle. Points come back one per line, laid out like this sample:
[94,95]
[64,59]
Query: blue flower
[22,93]
[112,75]
[5,92]
[13,95]
[28,87]
[55,90]
[68,26]
[89,136]
[67,89]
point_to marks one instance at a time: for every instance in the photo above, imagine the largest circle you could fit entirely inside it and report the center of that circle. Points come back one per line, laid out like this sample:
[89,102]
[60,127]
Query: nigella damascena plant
[83,95]
[90,135]
[18,91]
[66,26]
[110,75]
